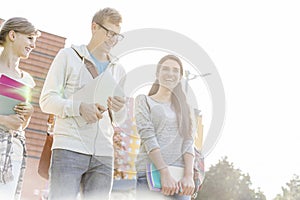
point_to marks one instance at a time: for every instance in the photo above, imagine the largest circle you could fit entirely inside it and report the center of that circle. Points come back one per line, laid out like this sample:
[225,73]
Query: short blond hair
[107,15]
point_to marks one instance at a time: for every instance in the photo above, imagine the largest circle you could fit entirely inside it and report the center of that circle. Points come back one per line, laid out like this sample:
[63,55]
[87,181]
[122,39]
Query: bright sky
[255,46]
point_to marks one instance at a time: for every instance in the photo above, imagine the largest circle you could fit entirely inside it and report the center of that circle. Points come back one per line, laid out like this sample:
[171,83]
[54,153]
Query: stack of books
[153,175]
[12,92]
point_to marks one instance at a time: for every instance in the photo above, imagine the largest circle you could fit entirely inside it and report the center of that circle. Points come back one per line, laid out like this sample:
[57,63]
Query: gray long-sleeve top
[158,128]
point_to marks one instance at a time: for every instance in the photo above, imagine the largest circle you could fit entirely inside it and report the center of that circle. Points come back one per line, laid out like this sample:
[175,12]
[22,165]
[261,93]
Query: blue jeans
[72,172]
[143,192]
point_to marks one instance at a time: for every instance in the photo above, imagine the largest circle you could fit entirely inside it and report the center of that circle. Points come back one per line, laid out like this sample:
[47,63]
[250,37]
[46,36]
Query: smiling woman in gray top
[164,123]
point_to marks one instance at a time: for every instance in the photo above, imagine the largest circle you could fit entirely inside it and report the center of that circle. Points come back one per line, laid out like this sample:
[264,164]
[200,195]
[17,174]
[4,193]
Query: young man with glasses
[82,155]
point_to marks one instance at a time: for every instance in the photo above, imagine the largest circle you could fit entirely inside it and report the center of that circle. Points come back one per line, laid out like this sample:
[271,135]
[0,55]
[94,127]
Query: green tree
[292,192]
[224,182]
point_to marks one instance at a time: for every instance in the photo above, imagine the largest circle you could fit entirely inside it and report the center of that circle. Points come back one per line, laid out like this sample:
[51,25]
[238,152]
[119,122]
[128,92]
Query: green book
[155,175]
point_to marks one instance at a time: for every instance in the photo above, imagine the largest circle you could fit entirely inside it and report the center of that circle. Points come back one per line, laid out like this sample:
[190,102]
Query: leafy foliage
[224,182]
[292,192]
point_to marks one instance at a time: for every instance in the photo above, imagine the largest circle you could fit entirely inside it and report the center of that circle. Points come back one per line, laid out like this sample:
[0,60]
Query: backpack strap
[93,71]
[89,65]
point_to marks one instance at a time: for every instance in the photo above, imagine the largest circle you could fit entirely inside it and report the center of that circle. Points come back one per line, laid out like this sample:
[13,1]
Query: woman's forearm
[26,122]
[157,159]
[188,164]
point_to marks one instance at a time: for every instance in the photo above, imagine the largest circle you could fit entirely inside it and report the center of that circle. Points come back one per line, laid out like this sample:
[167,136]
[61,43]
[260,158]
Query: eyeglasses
[112,34]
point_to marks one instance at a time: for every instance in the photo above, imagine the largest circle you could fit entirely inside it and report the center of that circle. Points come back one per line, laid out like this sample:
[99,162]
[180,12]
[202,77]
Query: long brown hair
[178,99]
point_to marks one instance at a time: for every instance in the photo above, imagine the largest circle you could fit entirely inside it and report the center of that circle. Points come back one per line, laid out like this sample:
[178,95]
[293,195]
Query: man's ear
[94,27]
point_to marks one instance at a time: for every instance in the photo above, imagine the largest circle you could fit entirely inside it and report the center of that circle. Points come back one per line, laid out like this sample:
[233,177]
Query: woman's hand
[186,185]
[25,109]
[168,183]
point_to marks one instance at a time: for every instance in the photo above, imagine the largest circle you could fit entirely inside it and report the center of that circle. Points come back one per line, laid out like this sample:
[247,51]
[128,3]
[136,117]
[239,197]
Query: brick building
[38,63]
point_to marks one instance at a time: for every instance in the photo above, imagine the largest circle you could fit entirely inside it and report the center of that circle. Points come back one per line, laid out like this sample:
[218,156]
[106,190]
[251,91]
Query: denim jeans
[72,172]
[143,192]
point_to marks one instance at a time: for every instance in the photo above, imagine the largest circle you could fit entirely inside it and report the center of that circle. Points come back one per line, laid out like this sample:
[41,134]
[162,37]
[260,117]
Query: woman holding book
[164,122]
[17,40]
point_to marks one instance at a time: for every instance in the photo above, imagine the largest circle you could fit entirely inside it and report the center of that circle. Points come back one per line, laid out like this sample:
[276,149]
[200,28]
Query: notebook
[12,92]
[97,91]
[153,175]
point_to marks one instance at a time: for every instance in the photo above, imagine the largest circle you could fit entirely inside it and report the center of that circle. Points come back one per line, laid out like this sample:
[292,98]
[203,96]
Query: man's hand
[91,112]
[115,103]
